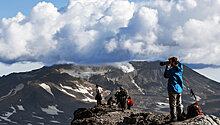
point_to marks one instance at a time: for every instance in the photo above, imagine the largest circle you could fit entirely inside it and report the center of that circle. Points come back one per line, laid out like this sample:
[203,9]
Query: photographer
[173,72]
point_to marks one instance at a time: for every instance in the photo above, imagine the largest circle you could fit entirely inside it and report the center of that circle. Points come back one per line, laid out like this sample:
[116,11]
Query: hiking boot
[173,119]
[182,117]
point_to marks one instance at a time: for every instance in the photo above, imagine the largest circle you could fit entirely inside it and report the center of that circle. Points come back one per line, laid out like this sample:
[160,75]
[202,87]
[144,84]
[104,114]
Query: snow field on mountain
[79,89]
[20,107]
[65,92]
[51,110]
[138,87]
[47,88]
[13,91]
[38,117]
[8,114]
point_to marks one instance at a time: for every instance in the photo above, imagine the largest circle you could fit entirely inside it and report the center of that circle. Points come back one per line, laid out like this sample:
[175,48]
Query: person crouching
[129,103]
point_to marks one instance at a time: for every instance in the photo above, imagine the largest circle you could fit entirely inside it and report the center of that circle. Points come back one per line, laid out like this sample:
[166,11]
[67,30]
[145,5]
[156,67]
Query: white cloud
[125,67]
[97,31]
[110,46]
[200,40]
[186,4]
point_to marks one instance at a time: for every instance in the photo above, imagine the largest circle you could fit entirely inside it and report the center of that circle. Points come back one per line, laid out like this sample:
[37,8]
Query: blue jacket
[175,81]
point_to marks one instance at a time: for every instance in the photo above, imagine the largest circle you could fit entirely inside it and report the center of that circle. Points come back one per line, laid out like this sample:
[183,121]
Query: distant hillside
[50,95]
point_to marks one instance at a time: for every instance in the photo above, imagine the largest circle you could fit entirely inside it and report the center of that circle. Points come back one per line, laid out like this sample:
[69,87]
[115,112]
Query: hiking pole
[197,103]
[192,93]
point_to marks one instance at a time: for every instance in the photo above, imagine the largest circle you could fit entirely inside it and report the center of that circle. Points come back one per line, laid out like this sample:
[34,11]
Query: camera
[164,63]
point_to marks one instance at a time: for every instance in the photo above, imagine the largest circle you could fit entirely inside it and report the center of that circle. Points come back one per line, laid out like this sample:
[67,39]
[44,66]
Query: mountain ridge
[50,95]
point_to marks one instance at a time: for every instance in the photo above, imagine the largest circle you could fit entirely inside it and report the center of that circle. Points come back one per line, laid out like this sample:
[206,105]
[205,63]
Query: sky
[105,31]
[9,8]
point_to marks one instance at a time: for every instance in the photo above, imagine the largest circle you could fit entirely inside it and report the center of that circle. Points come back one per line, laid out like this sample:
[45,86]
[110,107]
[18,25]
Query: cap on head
[174,59]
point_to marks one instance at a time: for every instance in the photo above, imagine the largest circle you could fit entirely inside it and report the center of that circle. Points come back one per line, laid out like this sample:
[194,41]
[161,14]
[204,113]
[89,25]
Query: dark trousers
[129,107]
[175,102]
[123,104]
[99,99]
[99,102]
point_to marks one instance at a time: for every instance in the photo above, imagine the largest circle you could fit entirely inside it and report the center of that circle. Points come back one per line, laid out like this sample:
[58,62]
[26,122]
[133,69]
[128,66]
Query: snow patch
[83,90]
[20,107]
[47,88]
[55,121]
[139,88]
[211,90]
[18,88]
[162,105]
[13,91]
[34,116]
[8,114]
[80,89]
[87,99]
[125,67]
[66,87]
[51,110]
[64,91]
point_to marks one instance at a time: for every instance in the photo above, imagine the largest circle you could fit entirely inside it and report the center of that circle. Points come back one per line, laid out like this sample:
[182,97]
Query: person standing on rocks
[98,97]
[173,72]
[117,97]
[122,98]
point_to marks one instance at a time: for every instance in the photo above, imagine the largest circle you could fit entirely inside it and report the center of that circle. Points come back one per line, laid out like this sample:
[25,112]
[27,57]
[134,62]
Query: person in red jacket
[129,103]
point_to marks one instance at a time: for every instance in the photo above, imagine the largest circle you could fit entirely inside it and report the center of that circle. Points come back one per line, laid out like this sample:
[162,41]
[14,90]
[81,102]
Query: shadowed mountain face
[50,95]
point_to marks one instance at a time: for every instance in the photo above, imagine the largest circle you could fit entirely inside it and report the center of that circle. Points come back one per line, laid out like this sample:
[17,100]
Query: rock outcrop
[114,116]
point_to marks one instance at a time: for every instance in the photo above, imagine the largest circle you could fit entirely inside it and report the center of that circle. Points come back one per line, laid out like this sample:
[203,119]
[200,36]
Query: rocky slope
[113,116]
[50,95]
[43,96]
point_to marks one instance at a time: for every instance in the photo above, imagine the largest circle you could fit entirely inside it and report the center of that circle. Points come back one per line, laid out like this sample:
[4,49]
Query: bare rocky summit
[114,116]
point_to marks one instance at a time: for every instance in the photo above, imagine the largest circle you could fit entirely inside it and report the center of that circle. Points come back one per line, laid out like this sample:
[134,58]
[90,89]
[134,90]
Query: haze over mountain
[50,95]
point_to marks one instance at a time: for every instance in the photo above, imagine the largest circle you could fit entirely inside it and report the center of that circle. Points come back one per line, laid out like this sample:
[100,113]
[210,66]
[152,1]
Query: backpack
[130,102]
[99,90]
[193,110]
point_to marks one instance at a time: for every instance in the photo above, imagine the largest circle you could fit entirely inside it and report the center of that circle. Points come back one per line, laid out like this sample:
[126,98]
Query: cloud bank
[104,31]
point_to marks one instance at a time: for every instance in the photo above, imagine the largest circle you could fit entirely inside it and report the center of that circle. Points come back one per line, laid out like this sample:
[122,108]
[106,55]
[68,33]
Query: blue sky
[9,8]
